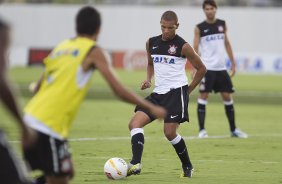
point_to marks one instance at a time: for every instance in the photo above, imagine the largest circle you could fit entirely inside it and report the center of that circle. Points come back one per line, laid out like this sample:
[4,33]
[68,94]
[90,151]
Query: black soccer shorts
[175,102]
[50,155]
[217,81]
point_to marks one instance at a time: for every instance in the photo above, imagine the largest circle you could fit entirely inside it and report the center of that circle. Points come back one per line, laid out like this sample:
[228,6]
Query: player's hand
[29,137]
[158,112]
[232,70]
[145,84]
[32,87]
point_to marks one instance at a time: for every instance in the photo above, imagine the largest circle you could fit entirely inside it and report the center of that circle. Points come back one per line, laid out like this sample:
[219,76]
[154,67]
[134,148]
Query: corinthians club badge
[172,49]
[220,28]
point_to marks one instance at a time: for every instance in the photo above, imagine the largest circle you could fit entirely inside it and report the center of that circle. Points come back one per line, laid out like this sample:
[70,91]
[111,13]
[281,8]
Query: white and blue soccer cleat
[203,134]
[238,133]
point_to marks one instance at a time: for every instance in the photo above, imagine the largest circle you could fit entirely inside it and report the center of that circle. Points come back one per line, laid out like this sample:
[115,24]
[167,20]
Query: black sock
[137,143]
[182,153]
[229,110]
[201,115]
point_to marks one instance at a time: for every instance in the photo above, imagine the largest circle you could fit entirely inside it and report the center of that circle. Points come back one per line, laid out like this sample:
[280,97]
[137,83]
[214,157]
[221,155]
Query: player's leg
[230,113]
[206,86]
[225,87]
[170,131]
[229,109]
[176,102]
[141,118]
[201,112]
[136,124]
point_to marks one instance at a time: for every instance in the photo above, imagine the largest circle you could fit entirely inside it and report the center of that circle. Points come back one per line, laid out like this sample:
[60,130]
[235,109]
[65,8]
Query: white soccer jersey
[169,65]
[212,48]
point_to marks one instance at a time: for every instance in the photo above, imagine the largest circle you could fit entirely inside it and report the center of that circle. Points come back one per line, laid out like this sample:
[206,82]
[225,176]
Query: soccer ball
[115,168]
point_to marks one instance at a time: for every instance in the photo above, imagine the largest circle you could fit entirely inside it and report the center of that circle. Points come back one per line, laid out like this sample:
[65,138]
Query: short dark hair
[209,2]
[88,21]
[169,16]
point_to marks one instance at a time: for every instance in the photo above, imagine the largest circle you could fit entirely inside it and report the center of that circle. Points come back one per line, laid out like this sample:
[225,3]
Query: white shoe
[203,134]
[238,133]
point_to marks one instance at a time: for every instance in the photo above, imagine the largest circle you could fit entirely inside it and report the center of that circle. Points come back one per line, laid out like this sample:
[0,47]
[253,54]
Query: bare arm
[197,63]
[8,99]
[6,94]
[196,43]
[229,53]
[4,44]
[196,40]
[150,70]
[97,58]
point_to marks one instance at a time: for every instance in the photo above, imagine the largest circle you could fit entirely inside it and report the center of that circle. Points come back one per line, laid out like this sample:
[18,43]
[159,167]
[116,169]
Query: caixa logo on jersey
[163,59]
[215,37]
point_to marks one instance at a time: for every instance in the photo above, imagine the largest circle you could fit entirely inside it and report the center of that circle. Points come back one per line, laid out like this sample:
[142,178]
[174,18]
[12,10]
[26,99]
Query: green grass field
[102,122]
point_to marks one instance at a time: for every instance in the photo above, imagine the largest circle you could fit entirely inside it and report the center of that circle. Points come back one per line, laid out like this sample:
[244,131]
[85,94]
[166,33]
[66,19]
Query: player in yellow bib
[64,85]
[60,92]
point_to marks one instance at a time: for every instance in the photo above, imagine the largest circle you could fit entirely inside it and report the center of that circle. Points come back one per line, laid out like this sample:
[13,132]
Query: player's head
[209,7]
[88,21]
[169,24]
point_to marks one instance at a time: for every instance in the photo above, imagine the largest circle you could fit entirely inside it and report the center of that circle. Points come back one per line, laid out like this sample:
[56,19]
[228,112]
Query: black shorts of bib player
[56,154]
[211,42]
[167,55]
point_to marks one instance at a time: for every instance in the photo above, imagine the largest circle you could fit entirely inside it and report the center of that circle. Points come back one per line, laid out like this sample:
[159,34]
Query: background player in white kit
[167,55]
[211,37]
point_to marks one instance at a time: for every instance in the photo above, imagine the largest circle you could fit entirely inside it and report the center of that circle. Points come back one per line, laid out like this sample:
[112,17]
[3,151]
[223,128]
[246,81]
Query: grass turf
[102,118]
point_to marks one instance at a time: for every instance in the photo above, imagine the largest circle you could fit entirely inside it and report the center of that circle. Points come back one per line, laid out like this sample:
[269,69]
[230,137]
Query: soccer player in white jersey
[211,42]
[167,54]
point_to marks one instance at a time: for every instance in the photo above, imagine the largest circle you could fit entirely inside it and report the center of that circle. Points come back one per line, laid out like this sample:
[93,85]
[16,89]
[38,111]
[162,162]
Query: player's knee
[170,135]
[139,120]
[132,124]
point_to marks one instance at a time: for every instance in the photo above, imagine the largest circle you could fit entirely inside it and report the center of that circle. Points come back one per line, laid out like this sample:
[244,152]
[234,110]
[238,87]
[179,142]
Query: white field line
[164,159]
[185,137]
